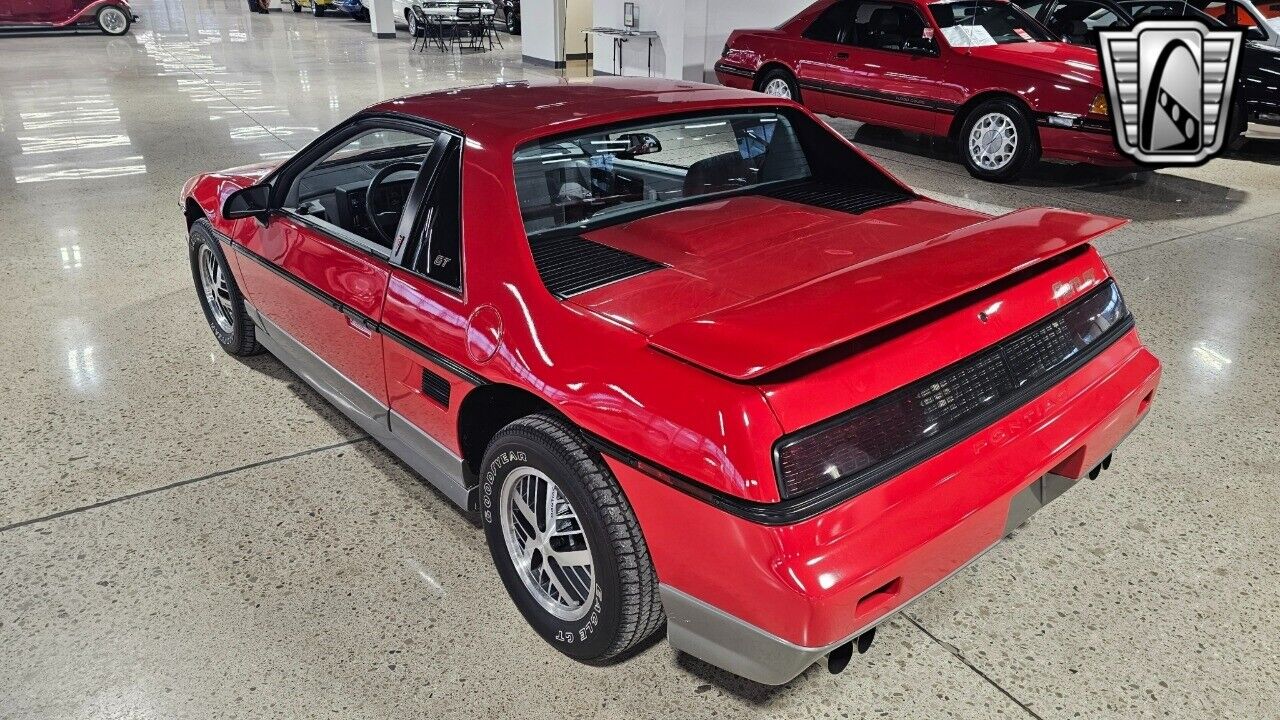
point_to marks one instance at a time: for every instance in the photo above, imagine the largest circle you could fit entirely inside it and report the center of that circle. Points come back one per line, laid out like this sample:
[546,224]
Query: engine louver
[572,265]
[435,387]
[836,197]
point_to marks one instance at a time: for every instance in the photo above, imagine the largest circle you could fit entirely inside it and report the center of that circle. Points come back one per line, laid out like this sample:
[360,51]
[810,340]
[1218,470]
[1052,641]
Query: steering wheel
[380,219]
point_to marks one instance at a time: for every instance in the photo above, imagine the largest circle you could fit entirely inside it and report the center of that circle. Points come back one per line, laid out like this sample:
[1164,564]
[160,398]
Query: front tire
[565,542]
[317,9]
[412,21]
[997,142]
[113,20]
[219,295]
[297,6]
[779,83]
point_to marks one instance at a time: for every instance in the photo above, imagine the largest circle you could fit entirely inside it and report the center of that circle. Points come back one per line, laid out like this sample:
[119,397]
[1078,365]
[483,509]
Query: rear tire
[297,6]
[997,141]
[779,83]
[317,9]
[113,20]
[602,600]
[219,295]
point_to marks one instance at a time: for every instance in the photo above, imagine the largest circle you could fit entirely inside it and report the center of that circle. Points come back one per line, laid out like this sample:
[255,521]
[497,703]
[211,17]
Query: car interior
[361,188]
[597,174]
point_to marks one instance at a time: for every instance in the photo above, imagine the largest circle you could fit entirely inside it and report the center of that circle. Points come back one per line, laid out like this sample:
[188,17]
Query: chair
[423,25]
[491,30]
[469,28]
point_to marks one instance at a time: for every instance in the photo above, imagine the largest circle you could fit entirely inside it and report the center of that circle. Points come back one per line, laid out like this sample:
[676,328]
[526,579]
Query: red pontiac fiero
[982,73]
[691,356]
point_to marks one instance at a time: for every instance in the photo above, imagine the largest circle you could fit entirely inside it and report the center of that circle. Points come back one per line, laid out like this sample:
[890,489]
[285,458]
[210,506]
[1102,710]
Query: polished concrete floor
[186,535]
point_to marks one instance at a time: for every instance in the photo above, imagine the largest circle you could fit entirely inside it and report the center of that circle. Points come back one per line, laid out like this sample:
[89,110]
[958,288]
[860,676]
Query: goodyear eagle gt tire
[565,542]
[219,295]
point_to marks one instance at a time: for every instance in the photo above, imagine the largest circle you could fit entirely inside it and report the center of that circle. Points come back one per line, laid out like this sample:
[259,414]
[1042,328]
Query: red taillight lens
[890,434]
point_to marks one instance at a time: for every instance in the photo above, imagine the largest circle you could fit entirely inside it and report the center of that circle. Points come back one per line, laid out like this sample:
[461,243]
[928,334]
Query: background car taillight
[876,440]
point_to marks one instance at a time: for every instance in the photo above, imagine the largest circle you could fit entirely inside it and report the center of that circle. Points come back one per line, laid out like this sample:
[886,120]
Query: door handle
[359,324]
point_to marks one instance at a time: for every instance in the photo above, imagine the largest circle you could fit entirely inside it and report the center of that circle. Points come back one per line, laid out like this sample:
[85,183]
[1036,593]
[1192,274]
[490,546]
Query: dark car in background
[510,10]
[1257,94]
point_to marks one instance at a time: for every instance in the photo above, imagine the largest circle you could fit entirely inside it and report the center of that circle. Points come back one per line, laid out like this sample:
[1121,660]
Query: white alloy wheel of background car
[997,141]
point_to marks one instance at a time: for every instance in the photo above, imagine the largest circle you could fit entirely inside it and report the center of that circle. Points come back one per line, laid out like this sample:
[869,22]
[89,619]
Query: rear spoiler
[752,339]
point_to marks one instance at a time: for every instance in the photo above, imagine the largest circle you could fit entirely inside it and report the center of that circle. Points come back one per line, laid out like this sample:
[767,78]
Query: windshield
[974,23]
[585,179]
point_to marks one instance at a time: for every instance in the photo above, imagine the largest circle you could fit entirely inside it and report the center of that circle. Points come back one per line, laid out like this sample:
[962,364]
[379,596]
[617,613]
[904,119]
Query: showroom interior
[188,533]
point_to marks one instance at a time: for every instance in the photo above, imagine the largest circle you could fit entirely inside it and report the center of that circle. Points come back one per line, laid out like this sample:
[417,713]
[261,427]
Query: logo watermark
[1169,83]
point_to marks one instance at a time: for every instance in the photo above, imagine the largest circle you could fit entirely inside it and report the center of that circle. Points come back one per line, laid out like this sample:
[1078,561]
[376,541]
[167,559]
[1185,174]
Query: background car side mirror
[640,143]
[253,201]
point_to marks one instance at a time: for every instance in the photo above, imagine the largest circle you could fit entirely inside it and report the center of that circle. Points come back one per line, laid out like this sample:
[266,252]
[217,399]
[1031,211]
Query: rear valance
[754,338]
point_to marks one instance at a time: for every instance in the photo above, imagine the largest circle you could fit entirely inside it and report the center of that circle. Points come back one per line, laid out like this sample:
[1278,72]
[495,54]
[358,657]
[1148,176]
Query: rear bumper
[766,601]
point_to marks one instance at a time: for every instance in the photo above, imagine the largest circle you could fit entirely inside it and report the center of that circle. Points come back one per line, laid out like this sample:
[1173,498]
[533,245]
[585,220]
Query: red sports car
[980,72]
[691,356]
[112,17]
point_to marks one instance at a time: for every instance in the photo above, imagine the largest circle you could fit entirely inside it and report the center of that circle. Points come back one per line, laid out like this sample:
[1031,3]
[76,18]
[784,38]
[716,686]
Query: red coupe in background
[113,17]
[980,72]
[691,356]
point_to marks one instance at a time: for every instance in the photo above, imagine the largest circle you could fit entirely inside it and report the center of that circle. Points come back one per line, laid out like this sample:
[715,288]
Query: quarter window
[834,25]
[438,251]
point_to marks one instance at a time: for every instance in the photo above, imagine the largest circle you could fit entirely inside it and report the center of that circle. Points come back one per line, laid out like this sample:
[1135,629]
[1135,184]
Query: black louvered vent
[571,265]
[836,197]
[435,387]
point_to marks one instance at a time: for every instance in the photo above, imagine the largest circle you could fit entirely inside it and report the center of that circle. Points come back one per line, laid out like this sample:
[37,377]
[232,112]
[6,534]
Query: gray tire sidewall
[592,635]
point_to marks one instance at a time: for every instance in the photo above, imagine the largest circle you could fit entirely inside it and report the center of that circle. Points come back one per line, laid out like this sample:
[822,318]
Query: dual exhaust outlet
[838,659]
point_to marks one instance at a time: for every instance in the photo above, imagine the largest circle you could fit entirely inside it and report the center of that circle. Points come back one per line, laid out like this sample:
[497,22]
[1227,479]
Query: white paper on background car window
[967,36]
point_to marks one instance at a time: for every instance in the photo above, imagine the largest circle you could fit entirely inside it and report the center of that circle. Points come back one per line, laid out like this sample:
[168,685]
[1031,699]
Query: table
[618,37]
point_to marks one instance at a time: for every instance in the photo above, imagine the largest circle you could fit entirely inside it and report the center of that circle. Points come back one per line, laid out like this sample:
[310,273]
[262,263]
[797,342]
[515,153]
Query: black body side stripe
[400,338]
[731,70]
[876,96]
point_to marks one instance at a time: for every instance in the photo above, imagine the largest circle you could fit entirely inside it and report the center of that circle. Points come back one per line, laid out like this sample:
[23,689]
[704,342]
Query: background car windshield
[974,24]
[596,175]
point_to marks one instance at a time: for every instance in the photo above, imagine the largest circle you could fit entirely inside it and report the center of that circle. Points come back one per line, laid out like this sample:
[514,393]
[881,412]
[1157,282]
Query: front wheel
[412,21]
[317,9]
[112,20]
[297,6]
[997,142]
[779,83]
[219,296]
[565,542]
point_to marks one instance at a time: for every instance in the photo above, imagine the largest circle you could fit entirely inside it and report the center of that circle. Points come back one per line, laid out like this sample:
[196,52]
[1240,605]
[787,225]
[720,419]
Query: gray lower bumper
[728,642]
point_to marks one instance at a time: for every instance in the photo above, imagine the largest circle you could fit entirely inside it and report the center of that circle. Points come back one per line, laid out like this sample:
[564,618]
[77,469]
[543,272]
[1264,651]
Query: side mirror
[253,201]
[1254,33]
[640,144]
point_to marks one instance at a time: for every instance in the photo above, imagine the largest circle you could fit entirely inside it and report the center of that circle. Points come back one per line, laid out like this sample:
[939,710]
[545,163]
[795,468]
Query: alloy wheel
[113,20]
[547,544]
[993,141]
[778,87]
[413,24]
[213,282]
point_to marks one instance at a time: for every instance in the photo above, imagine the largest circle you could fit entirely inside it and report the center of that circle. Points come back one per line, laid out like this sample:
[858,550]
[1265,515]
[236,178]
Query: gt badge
[1169,83]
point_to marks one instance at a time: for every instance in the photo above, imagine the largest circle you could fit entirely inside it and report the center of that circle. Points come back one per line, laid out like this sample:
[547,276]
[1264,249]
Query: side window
[438,252]
[338,193]
[834,24]
[883,26]
[1077,20]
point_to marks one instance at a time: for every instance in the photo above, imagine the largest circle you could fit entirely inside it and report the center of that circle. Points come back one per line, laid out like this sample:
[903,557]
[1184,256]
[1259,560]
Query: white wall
[540,29]
[578,17]
[691,32]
